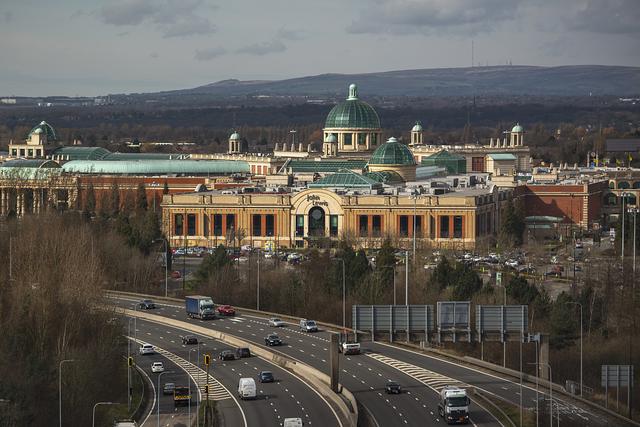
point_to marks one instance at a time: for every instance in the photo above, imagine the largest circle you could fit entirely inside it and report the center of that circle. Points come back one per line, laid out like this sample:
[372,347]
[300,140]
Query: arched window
[610,199]
[636,184]
[612,185]
[316,221]
[623,185]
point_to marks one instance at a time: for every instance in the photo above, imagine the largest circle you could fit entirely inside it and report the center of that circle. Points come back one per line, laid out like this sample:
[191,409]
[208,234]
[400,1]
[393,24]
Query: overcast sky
[90,47]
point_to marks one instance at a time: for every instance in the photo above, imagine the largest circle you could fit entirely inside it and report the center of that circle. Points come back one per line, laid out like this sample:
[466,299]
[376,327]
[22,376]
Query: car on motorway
[349,348]
[157,367]
[226,310]
[292,422]
[276,322]
[146,304]
[266,377]
[146,349]
[181,396]
[125,423]
[189,339]
[393,387]
[243,352]
[168,388]
[227,355]
[308,325]
[272,339]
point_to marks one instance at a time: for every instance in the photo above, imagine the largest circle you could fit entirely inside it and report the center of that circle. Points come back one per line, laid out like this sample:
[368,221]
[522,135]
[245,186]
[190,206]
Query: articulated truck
[200,307]
[454,405]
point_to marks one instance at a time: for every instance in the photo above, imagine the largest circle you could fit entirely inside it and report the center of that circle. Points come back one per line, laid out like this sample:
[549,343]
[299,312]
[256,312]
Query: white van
[292,422]
[247,388]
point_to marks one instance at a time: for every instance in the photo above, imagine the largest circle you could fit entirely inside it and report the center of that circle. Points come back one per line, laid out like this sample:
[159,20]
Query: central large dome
[352,114]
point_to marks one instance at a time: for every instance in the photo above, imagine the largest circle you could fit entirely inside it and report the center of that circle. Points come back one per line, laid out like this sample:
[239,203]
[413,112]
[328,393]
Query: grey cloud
[209,54]
[154,55]
[264,48]
[173,18]
[7,17]
[430,16]
[292,35]
[607,16]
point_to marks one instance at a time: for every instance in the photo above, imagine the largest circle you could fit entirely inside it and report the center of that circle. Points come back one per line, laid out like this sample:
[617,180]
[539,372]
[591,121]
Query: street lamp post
[580,305]
[415,201]
[189,378]
[60,388]
[160,375]
[166,265]
[258,285]
[406,279]
[344,297]
[93,418]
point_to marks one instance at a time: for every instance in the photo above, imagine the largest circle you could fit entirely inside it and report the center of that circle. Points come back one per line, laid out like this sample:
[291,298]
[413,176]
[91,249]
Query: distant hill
[575,80]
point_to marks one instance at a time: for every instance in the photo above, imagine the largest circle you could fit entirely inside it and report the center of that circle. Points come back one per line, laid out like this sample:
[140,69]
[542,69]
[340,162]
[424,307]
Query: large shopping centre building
[358,184]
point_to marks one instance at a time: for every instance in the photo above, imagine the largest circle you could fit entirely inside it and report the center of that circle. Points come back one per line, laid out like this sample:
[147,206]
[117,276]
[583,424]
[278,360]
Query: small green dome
[234,136]
[46,128]
[517,128]
[331,138]
[392,153]
[353,113]
[417,127]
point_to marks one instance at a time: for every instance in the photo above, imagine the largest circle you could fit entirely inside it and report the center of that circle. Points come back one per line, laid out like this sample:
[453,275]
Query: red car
[226,310]
[176,274]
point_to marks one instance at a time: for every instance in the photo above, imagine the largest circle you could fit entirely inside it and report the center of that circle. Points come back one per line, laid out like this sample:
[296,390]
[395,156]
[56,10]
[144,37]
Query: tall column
[19,201]
[35,202]
[2,202]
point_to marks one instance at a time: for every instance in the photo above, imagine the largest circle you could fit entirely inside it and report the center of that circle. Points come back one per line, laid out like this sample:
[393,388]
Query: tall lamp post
[160,375]
[344,297]
[93,417]
[580,305]
[166,265]
[258,285]
[60,388]
[189,378]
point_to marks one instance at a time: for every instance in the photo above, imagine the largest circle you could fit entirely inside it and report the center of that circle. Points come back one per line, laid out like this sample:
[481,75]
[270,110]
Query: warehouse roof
[157,167]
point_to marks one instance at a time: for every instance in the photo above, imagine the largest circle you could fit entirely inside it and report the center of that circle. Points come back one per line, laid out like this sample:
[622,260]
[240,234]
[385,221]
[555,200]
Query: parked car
[393,387]
[266,377]
[176,274]
[189,339]
[276,322]
[157,367]
[227,355]
[243,352]
[272,339]
[146,304]
[146,349]
[168,388]
[226,310]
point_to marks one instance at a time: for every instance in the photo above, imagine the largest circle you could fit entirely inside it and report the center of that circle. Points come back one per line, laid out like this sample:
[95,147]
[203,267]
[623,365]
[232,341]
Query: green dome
[234,136]
[46,128]
[517,128]
[353,113]
[392,153]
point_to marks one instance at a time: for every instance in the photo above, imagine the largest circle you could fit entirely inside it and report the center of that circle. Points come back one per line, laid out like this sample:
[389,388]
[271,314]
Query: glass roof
[46,128]
[353,113]
[325,165]
[345,179]
[157,167]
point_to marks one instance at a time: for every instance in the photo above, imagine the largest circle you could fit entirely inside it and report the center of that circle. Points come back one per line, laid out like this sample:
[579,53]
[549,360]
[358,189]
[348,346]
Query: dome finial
[353,92]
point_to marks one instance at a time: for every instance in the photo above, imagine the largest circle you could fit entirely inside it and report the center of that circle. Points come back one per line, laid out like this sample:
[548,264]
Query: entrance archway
[316,221]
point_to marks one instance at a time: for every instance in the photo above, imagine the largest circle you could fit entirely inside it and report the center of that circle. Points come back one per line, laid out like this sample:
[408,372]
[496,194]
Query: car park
[226,310]
[243,352]
[168,388]
[272,339]
[393,387]
[227,355]
[189,339]
[146,304]
[266,377]
[276,322]
[146,349]
[157,367]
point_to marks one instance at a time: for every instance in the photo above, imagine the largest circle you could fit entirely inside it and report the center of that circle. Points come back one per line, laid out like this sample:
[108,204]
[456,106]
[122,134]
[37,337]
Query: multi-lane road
[365,375]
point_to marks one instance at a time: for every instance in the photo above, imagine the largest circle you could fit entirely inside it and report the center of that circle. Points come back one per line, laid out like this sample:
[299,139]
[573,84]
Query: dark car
[243,352]
[272,339]
[227,355]
[146,304]
[393,387]
[266,377]
[189,339]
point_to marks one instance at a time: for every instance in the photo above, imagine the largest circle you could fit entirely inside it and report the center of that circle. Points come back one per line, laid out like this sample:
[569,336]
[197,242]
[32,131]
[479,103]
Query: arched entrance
[316,221]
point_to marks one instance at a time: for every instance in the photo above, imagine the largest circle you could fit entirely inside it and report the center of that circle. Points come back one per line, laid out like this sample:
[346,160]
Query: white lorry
[453,405]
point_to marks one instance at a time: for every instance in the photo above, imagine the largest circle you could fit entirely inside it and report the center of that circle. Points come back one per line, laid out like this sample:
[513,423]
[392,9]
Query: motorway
[362,375]
[288,397]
